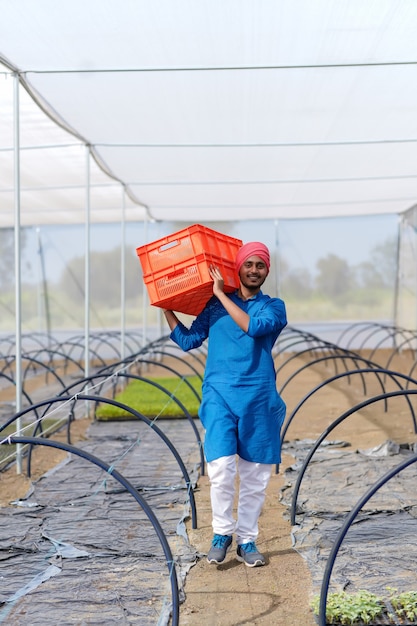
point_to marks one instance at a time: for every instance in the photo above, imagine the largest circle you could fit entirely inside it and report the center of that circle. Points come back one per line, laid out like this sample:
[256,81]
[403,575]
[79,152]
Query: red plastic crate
[175,268]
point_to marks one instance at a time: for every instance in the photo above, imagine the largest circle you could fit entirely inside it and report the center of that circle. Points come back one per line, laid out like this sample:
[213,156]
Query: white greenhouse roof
[208,110]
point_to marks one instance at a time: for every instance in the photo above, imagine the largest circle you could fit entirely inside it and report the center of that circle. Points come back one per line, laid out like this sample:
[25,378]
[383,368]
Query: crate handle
[169,245]
[173,275]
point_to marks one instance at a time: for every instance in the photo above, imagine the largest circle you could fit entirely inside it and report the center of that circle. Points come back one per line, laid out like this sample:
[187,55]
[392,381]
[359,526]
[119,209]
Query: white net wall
[326,270]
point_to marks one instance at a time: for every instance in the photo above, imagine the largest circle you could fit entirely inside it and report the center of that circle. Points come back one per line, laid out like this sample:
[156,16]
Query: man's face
[253,272]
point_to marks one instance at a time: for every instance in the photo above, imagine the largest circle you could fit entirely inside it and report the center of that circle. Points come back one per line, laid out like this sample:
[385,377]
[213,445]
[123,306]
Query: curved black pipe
[13,382]
[379,328]
[52,353]
[182,359]
[81,346]
[181,406]
[376,370]
[131,489]
[330,357]
[336,422]
[155,363]
[141,417]
[288,348]
[372,370]
[400,347]
[346,525]
[395,331]
[361,328]
[296,355]
[41,365]
[173,371]
[131,360]
[120,374]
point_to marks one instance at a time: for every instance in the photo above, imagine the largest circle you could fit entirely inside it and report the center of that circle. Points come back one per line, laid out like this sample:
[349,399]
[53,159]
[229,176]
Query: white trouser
[254,478]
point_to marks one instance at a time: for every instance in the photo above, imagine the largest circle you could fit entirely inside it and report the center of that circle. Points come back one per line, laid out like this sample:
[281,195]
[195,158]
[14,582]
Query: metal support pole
[162,325]
[397,278]
[17,269]
[145,293]
[87,266]
[123,278]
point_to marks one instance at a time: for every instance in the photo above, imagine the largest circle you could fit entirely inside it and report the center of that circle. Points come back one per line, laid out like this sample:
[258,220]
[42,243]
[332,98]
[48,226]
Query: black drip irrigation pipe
[120,374]
[178,403]
[358,329]
[101,339]
[371,370]
[323,348]
[367,370]
[13,382]
[334,358]
[313,391]
[42,367]
[346,525]
[53,354]
[180,358]
[400,347]
[83,383]
[287,339]
[380,343]
[141,417]
[130,488]
[342,355]
[394,334]
[155,363]
[336,422]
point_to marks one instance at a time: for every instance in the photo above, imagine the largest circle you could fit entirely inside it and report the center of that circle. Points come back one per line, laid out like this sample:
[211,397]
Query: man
[241,410]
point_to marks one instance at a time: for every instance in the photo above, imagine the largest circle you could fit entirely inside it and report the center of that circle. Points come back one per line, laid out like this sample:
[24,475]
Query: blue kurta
[241,410]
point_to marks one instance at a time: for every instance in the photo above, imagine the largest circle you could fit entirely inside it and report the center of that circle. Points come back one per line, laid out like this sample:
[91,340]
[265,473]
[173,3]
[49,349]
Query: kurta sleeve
[193,337]
[270,318]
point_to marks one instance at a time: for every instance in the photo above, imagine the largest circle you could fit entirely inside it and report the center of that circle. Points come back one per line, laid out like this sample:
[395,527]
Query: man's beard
[251,286]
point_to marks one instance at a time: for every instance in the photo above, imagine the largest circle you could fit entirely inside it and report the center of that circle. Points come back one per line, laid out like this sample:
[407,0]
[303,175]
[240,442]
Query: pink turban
[253,248]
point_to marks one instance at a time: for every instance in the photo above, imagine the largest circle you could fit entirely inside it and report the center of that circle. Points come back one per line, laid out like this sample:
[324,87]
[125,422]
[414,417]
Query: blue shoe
[249,555]
[219,548]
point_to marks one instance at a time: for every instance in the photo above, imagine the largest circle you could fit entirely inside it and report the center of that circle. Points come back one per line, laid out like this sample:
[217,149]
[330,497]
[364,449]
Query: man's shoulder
[265,298]
[272,306]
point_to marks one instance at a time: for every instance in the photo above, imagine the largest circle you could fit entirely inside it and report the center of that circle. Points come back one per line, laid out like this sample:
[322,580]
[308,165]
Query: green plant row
[404,604]
[364,607]
[151,401]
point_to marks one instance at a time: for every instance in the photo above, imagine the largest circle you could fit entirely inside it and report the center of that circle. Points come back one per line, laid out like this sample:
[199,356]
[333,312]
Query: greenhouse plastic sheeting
[206,111]
[380,548]
[79,548]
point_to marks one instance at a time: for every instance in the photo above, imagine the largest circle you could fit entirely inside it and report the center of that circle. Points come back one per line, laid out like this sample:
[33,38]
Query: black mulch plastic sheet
[80,550]
[380,548]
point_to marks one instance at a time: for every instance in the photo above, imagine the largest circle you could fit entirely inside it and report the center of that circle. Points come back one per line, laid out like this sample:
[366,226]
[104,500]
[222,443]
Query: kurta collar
[255,297]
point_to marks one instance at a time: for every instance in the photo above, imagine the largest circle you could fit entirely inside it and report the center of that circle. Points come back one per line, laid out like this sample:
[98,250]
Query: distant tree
[335,277]
[379,271]
[105,277]
[297,283]
[368,277]
[383,259]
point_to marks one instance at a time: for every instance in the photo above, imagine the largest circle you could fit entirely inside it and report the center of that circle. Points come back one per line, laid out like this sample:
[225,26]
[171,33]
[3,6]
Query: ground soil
[231,594]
